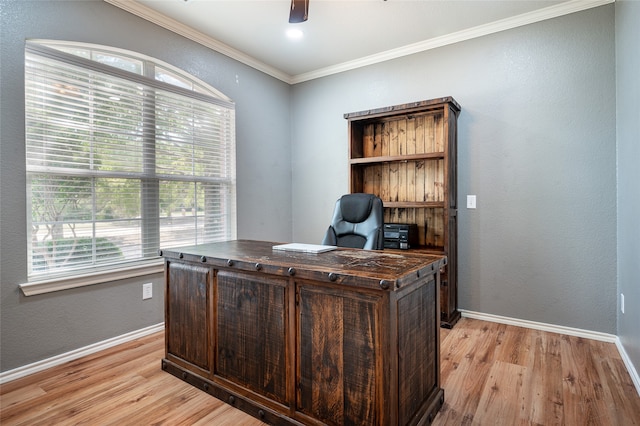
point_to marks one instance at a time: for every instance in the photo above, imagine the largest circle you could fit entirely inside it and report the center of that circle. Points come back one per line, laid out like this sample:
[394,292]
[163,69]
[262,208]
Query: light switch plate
[471,201]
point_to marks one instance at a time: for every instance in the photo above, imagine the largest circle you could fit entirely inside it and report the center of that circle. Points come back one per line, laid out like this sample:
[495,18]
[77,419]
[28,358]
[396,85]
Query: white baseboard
[552,328]
[587,334]
[26,370]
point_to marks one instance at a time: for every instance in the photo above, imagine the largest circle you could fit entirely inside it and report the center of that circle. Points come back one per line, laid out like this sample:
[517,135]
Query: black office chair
[357,222]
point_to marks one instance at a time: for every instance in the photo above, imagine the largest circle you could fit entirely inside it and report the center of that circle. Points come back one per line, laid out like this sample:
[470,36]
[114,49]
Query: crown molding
[550,12]
[171,24]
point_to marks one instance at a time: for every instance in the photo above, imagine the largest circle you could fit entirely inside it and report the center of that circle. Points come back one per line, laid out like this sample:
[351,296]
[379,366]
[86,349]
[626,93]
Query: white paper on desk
[305,248]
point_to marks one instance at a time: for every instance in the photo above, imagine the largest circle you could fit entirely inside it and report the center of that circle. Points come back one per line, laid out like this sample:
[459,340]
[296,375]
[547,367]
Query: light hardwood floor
[493,374]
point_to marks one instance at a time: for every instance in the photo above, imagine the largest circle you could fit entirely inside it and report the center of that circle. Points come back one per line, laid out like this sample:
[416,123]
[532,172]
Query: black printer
[400,235]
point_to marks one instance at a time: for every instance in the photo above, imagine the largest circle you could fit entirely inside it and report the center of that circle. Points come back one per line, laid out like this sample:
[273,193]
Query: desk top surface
[385,269]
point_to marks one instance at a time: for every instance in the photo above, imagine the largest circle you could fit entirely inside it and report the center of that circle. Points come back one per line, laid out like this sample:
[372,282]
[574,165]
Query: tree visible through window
[125,155]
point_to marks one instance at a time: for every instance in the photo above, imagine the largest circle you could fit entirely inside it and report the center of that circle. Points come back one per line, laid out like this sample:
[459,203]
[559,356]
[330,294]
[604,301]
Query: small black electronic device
[400,235]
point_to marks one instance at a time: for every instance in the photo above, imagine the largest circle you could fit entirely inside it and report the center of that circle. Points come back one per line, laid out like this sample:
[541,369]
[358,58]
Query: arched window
[125,155]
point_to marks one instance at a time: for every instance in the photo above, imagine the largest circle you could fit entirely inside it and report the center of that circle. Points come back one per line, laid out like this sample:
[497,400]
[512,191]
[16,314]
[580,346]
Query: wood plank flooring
[493,374]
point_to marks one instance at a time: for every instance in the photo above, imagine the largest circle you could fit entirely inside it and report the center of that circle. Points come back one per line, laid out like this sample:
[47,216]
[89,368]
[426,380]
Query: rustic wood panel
[394,181]
[356,150]
[407,181]
[390,215]
[377,139]
[438,180]
[356,179]
[402,136]
[410,192]
[337,367]
[251,333]
[368,140]
[420,219]
[386,139]
[411,135]
[439,140]
[410,180]
[419,134]
[435,227]
[385,191]
[378,179]
[403,182]
[368,181]
[394,147]
[429,134]
[418,370]
[188,313]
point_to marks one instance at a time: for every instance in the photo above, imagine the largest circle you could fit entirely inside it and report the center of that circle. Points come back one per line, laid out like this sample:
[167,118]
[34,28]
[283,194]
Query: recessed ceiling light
[294,33]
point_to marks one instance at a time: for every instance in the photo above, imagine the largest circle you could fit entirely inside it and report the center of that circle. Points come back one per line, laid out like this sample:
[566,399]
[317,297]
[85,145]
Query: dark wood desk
[342,337]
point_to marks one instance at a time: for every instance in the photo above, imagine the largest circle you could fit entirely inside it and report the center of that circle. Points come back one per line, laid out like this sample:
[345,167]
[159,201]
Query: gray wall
[38,327]
[537,145]
[628,135]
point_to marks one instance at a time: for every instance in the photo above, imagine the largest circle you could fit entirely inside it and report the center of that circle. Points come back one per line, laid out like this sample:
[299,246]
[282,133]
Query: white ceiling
[340,34]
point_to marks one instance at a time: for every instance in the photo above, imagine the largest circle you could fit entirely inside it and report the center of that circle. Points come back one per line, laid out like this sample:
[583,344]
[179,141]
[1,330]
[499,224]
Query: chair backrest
[357,222]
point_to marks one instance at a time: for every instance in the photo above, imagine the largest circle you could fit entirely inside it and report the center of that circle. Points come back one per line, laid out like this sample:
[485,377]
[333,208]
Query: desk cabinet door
[188,316]
[251,333]
[418,358]
[337,364]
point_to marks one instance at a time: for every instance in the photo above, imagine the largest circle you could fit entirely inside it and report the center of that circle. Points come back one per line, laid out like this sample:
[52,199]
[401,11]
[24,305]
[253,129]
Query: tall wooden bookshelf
[406,155]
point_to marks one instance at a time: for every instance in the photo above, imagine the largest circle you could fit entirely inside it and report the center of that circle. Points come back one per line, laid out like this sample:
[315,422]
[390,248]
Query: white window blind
[119,164]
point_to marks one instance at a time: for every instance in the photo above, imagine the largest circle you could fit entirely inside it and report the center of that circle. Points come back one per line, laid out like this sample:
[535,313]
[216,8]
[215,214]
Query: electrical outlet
[147,291]
[622,302]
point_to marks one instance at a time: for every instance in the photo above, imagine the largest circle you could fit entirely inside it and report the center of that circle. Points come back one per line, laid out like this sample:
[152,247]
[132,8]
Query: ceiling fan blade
[299,11]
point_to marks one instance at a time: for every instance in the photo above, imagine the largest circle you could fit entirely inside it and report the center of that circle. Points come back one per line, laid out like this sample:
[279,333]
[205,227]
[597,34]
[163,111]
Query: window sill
[66,283]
